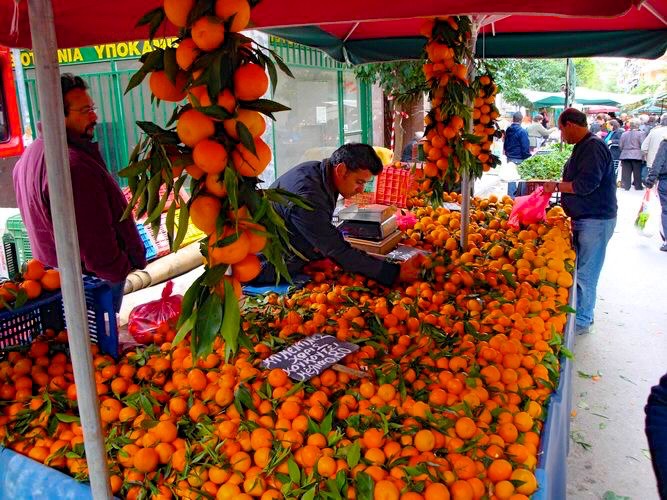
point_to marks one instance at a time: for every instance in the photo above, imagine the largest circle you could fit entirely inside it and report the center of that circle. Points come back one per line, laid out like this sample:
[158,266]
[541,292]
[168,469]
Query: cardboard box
[377,247]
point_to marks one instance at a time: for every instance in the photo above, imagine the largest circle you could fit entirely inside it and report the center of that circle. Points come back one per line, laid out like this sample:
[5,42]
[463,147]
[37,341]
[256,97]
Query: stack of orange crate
[393,185]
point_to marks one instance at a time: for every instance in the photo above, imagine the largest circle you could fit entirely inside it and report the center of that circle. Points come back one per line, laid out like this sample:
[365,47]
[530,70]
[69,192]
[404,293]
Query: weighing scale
[368,222]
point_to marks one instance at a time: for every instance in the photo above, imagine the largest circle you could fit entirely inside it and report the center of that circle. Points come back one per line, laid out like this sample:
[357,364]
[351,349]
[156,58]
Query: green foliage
[399,80]
[545,75]
[545,166]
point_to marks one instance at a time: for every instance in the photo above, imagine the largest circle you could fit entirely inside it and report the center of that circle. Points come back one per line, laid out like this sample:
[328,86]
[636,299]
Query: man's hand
[410,269]
[648,183]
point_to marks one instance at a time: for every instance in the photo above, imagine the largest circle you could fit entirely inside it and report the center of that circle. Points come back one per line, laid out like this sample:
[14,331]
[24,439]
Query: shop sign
[103,52]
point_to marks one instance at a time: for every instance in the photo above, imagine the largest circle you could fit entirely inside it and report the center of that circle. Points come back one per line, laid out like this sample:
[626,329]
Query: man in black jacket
[658,174]
[312,233]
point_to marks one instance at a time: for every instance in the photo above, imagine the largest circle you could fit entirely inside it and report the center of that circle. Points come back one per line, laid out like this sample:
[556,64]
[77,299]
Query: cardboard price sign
[309,357]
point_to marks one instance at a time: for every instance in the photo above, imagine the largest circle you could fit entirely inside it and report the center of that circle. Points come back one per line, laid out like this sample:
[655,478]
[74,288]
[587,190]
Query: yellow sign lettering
[121,49]
[77,56]
[134,49]
[27,58]
[99,50]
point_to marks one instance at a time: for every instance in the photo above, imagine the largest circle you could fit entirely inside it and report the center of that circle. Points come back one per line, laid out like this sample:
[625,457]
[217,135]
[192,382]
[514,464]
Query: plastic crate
[21,326]
[393,185]
[11,259]
[128,196]
[360,199]
[162,238]
[17,229]
[149,242]
[192,234]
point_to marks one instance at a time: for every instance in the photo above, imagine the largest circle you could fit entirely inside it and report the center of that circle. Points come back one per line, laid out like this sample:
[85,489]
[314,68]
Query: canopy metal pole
[465,178]
[67,245]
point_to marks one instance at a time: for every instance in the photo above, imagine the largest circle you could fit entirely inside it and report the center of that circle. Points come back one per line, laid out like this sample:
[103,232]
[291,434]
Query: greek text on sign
[309,357]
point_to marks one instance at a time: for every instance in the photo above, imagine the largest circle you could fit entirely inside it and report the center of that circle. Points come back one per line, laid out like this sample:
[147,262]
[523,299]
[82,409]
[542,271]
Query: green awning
[637,43]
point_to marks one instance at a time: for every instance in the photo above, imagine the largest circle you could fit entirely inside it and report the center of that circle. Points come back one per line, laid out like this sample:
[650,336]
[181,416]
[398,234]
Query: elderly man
[589,197]
[652,141]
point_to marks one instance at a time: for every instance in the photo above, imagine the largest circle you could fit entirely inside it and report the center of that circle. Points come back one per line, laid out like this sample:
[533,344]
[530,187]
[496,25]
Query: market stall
[73,293]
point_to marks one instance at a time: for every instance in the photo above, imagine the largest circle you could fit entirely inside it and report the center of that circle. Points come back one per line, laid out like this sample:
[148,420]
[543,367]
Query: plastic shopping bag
[152,322]
[529,209]
[642,215]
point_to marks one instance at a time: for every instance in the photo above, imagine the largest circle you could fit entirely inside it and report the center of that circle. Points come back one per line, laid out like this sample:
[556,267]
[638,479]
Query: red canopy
[81,22]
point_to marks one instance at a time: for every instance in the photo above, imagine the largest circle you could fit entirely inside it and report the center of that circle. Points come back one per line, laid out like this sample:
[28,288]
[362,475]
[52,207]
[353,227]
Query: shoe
[583,330]
[664,247]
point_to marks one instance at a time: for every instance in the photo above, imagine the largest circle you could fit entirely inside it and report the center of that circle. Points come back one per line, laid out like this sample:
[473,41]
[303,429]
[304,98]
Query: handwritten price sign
[309,357]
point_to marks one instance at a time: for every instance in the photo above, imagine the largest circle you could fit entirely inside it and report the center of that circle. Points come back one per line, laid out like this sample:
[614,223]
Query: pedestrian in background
[658,173]
[653,140]
[631,156]
[598,124]
[516,146]
[613,140]
[537,133]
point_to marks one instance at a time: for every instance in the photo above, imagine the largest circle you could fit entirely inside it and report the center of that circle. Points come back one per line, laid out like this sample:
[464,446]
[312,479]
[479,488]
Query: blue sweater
[311,231]
[516,143]
[591,171]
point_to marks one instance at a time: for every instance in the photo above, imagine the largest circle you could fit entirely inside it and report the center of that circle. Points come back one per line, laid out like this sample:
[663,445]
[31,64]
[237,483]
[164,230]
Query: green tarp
[644,44]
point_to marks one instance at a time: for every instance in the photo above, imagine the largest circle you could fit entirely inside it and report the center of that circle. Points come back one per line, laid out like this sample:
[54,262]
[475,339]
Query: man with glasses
[110,248]
[311,232]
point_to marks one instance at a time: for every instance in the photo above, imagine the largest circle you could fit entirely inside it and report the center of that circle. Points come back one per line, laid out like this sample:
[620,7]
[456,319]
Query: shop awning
[377,30]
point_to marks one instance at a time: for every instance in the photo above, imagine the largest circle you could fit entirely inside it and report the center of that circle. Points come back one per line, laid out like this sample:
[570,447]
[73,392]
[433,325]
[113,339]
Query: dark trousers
[269,275]
[656,432]
[631,168]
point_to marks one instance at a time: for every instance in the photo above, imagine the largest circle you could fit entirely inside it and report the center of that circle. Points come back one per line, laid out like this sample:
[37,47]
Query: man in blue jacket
[589,197]
[516,147]
[312,233]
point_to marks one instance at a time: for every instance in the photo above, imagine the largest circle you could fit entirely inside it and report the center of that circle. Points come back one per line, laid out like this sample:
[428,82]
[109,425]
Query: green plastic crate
[10,254]
[18,231]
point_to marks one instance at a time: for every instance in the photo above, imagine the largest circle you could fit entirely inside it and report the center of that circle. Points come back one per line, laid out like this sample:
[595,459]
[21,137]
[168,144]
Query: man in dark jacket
[658,173]
[517,145]
[311,232]
[109,247]
[589,198]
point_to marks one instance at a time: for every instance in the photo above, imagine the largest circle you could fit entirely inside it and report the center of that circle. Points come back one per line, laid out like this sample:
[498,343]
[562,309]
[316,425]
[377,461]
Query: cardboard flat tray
[377,247]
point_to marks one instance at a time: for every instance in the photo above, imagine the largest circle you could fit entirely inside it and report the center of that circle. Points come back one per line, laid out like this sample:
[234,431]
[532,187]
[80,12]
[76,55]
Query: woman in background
[613,139]
[631,156]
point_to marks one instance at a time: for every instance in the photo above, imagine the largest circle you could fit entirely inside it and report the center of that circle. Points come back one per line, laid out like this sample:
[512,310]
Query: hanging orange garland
[450,149]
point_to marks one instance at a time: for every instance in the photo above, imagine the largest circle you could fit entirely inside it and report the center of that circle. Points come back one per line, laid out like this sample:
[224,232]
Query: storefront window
[310,130]
[351,108]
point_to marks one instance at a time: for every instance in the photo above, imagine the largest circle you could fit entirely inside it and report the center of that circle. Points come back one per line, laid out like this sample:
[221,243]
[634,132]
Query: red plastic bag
[152,322]
[529,209]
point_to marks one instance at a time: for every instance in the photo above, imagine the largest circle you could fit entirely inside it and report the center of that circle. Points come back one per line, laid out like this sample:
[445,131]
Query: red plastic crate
[392,186]
[361,199]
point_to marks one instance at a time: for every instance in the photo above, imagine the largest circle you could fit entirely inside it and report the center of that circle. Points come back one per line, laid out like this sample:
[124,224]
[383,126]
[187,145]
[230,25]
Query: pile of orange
[34,280]
[459,369]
